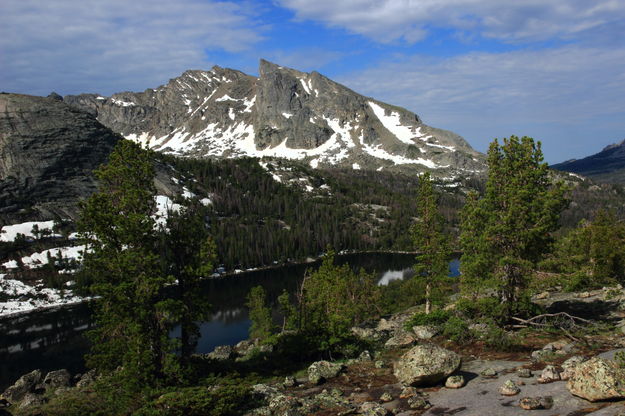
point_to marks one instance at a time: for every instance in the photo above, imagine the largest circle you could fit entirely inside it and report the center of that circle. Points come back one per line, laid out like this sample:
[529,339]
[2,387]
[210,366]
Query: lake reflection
[51,340]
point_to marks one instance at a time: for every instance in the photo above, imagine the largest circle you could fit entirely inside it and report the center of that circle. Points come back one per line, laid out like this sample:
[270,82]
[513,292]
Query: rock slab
[597,379]
[323,370]
[426,365]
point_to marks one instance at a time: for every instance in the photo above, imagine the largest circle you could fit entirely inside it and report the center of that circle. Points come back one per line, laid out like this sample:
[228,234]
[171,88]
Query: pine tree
[260,314]
[606,248]
[509,229]
[332,299]
[188,255]
[288,311]
[431,269]
[123,269]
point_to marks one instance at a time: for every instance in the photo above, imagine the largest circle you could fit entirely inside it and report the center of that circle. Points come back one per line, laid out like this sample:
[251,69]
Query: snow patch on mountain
[10,232]
[393,124]
[24,297]
[40,259]
[380,153]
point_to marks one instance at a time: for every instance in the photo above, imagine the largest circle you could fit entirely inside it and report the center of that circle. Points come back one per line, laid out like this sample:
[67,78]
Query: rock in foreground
[323,370]
[426,365]
[598,379]
[24,385]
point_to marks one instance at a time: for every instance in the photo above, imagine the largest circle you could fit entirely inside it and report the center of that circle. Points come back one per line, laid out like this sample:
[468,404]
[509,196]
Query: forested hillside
[289,211]
[276,210]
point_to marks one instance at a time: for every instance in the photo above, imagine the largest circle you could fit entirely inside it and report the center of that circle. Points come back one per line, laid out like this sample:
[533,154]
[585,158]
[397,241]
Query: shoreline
[226,275]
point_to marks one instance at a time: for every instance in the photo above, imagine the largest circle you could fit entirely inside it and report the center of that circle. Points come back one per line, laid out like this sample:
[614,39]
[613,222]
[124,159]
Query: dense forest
[271,210]
[257,219]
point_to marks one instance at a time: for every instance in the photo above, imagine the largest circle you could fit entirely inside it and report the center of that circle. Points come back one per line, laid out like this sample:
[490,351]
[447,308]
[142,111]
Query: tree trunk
[428,305]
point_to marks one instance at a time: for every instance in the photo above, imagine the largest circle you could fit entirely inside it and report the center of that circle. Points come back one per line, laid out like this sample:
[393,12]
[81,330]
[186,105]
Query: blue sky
[553,70]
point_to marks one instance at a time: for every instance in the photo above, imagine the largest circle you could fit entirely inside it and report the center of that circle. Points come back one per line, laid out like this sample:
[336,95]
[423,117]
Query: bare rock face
[426,365]
[22,387]
[597,379]
[48,151]
[321,371]
[57,379]
[282,113]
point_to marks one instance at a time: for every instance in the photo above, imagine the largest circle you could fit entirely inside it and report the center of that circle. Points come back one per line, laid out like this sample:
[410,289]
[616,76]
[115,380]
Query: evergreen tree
[591,255]
[123,269]
[333,299]
[188,256]
[431,269]
[508,230]
[288,311]
[260,314]
[606,248]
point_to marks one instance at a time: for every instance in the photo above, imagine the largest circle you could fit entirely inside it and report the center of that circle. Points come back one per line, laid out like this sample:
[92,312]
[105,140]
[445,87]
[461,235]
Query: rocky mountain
[282,113]
[48,151]
[606,166]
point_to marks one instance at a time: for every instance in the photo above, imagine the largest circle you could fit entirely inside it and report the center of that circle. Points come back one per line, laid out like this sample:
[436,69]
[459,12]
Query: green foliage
[457,330]
[109,397]
[224,400]
[332,300]
[498,339]
[431,268]
[288,311]
[188,255]
[123,269]
[145,275]
[507,231]
[260,314]
[256,220]
[591,255]
[398,295]
[619,357]
[437,317]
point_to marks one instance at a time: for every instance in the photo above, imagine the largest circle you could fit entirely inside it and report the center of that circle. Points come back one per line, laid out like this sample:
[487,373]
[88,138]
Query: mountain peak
[614,145]
[282,113]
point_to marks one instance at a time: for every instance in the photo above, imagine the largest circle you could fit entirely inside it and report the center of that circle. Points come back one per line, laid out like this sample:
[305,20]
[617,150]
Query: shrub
[223,400]
[437,317]
[498,339]
[457,330]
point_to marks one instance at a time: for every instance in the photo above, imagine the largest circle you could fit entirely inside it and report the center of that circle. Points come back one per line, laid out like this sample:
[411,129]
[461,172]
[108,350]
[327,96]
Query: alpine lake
[54,338]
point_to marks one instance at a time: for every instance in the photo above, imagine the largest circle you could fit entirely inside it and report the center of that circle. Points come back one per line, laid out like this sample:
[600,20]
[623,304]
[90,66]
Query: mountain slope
[282,113]
[606,166]
[48,151]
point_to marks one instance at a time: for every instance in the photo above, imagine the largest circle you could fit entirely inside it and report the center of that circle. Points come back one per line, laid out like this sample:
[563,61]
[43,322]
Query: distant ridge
[606,166]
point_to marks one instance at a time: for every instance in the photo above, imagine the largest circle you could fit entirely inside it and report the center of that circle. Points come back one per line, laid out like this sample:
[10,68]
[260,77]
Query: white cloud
[513,21]
[571,94]
[82,45]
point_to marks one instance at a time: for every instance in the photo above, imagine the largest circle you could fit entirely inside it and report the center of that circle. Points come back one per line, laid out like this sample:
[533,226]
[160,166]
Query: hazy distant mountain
[606,166]
[282,113]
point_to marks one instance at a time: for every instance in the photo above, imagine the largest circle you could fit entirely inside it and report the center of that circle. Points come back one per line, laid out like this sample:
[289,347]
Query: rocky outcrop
[597,379]
[24,385]
[323,370]
[48,151]
[426,365]
[282,113]
[57,379]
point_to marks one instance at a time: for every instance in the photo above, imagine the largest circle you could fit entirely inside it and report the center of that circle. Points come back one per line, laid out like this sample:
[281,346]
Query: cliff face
[48,151]
[282,113]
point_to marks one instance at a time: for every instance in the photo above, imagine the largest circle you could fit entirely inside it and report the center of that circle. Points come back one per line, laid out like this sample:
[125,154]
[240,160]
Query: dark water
[53,339]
